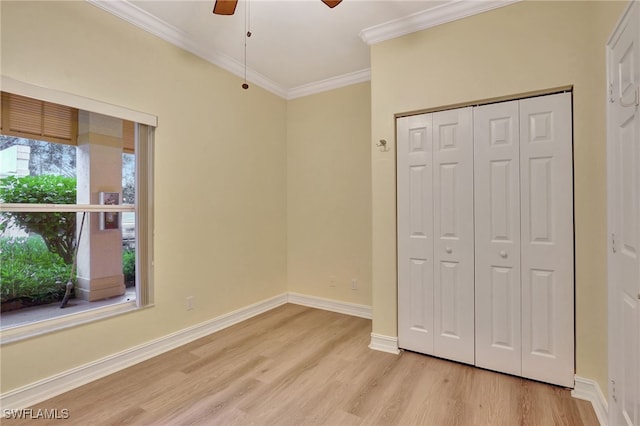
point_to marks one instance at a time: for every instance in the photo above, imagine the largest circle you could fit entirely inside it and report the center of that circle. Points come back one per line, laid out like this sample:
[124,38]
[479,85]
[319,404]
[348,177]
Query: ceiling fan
[228,7]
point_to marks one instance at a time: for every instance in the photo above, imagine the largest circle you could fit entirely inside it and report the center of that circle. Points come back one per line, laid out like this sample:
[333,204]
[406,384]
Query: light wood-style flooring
[300,366]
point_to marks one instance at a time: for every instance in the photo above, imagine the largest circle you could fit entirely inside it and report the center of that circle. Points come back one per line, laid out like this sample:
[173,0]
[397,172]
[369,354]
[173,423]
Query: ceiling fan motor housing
[228,7]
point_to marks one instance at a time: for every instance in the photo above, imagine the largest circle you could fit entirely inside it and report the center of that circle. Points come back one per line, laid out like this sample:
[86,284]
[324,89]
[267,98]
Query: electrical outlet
[189,303]
[332,281]
[354,284]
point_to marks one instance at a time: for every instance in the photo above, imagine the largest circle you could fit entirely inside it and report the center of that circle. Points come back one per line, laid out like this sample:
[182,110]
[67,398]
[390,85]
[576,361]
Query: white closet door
[415,233]
[497,237]
[623,177]
[546,188]
[453,234]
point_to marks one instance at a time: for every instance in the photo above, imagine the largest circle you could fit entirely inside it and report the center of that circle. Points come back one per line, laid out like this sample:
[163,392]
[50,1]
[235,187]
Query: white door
[415,233]
[497,237]
[546,193]
[453,235]
[516,267]
[435,234]
[623,176]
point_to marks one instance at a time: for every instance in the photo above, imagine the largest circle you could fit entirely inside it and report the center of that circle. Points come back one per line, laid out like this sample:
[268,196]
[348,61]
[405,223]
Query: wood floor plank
[300,366]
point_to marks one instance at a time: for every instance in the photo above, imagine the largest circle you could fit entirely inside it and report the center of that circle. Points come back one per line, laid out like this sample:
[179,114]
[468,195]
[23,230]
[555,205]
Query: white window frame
[143,208]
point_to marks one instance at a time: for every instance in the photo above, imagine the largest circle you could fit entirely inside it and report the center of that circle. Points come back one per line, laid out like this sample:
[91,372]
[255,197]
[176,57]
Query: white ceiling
[297,47]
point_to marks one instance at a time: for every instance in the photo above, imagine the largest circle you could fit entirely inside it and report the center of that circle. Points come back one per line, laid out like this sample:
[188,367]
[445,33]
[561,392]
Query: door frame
[613,323]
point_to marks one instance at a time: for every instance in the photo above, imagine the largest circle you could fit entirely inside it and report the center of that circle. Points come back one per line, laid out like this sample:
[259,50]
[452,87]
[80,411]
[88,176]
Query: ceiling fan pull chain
[248,18]
[247,34]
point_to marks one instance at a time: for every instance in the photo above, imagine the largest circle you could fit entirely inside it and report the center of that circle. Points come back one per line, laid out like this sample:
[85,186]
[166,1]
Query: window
[75,206]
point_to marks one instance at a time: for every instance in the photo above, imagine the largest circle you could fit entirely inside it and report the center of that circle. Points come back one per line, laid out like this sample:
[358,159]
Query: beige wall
[519,48]
[329,194]
[220,166]
[244,179]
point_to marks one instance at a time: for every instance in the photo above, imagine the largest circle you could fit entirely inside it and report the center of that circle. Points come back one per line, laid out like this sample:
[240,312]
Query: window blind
[128,136]
[34,119]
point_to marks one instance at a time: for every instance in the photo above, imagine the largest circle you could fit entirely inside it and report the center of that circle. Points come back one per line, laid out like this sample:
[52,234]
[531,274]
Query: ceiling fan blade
[331,3]
[225,7]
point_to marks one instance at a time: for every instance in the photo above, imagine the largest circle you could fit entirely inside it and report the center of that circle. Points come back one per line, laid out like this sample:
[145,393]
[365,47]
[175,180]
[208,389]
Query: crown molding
[147,22]
[330,83]
[167,32]
[447,12]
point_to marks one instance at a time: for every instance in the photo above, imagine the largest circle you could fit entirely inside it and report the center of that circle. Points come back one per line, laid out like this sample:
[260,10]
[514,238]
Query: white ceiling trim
[144,20]
[438,15]
[147,22]
[456,9]
[330,83]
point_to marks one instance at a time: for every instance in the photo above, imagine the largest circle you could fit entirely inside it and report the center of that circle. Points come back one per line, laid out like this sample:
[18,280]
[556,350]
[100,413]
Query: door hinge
[611,100]
[613,391]
[613,242]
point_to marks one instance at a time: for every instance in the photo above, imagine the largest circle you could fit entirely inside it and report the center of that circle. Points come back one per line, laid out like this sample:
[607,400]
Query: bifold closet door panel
[415,233]
[453,235]
[497,237]
[546,188]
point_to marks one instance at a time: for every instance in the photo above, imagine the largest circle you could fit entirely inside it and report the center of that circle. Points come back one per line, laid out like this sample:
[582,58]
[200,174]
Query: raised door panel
[453,235]
[415,233]
[497,237]
[624,220]
[546,188]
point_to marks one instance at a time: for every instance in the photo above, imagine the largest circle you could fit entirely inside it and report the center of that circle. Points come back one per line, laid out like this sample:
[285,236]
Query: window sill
[27,331]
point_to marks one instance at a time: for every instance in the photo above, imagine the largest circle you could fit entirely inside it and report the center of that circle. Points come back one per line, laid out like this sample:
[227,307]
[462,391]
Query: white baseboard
[353,309]
[41,390]
[589,390]
[383,343]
